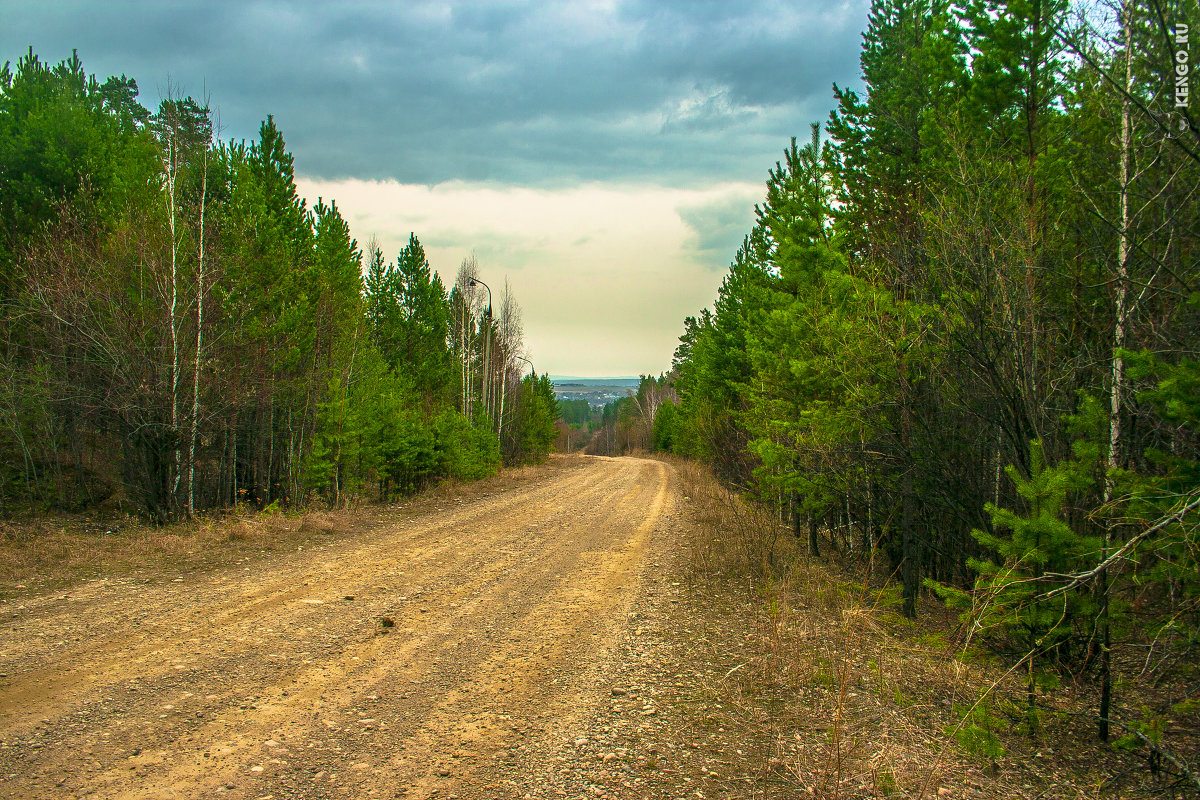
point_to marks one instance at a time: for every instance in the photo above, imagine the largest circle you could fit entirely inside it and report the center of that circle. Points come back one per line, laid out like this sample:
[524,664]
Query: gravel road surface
[430,655]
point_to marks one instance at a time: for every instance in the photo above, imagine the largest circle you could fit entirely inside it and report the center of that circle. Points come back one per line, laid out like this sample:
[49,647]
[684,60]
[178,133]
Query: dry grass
[52,551]
[857,701]
[743,539]
[44,553]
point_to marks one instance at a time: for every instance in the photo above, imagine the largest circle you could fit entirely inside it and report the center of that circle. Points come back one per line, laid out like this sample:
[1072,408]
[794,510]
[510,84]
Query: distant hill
[596,391]
[568,380]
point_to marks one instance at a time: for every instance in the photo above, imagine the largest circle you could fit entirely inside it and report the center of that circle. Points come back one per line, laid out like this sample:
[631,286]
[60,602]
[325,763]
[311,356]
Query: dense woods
[181,331]
[961,342]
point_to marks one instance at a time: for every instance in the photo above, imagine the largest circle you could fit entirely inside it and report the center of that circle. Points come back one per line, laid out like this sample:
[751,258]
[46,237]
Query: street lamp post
[531,367]
[474,281]
[487,351]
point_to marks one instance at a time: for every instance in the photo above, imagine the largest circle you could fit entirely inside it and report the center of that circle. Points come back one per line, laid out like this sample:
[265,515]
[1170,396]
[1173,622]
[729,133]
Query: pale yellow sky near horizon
[604,273]
[605,156]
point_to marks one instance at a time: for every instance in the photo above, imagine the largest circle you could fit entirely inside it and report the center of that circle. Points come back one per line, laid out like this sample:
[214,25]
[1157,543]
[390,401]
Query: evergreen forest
[182,332]
[961,343]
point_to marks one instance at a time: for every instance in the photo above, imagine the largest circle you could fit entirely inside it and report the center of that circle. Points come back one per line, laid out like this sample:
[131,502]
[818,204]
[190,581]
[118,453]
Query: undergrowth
[866,703]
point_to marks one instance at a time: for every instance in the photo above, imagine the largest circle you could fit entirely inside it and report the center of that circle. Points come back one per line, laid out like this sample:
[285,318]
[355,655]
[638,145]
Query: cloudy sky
[603,158]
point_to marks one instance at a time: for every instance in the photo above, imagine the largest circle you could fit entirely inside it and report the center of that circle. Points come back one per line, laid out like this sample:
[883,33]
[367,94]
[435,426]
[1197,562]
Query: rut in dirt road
[408,660]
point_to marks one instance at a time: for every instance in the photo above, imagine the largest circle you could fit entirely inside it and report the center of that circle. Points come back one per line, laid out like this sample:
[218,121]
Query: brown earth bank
[583,629]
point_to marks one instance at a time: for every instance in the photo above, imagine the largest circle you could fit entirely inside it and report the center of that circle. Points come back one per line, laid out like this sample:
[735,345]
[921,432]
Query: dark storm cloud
[513,92]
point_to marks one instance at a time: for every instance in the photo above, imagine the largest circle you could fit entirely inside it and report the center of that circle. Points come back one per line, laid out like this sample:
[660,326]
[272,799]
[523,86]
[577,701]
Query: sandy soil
[434,654]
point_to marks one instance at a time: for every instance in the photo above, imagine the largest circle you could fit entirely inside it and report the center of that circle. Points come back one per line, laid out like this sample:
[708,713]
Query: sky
[601,159]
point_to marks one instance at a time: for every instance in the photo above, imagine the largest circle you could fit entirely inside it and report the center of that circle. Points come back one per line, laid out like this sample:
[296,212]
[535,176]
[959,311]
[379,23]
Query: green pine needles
[1034,548]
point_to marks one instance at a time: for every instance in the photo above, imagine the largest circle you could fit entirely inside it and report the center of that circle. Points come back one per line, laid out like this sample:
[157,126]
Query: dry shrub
[54,551]
[325,522]
[743,538]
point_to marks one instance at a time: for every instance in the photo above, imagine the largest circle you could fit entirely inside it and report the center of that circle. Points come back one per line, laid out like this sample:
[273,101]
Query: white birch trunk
[171,173]
[1118,375]
[191,499]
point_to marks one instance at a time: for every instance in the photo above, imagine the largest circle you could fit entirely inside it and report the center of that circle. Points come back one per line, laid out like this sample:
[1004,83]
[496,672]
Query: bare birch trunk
[1118,374]
[171,172]
[511,343]
[191,499]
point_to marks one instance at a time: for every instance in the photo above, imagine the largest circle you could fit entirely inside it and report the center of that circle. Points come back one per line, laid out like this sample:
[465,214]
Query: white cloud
[604,273]
[708,110]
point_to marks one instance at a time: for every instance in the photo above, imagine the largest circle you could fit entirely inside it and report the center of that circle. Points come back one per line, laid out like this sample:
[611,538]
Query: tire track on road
[507,625]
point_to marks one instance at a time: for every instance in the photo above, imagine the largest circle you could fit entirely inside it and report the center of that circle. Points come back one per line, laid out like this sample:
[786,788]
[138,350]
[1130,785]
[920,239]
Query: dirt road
[415,659]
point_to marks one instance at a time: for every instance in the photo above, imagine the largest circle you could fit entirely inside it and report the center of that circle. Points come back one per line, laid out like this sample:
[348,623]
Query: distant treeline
[642,422]
[964,332]
[180,331]
[574,412]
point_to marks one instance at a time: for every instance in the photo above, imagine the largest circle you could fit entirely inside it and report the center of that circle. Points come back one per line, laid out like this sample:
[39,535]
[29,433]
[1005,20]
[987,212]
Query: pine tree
[425,322]
[1012,594]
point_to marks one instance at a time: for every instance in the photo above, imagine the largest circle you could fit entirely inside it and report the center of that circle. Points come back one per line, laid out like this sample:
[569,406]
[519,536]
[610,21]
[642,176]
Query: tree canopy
[182,331]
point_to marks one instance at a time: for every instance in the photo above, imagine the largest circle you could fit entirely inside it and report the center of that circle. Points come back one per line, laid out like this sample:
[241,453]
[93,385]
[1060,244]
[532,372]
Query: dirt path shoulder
[427,656]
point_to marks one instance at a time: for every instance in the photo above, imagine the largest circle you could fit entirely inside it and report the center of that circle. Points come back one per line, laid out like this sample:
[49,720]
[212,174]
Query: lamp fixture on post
[474,281]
